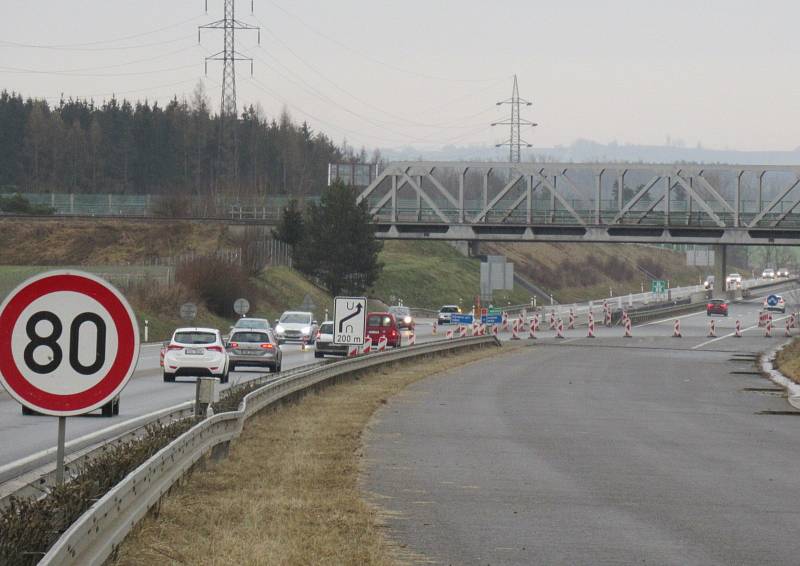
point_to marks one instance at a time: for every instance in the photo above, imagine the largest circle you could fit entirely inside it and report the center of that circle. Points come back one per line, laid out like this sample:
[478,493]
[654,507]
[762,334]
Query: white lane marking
[718,338]
[670,319]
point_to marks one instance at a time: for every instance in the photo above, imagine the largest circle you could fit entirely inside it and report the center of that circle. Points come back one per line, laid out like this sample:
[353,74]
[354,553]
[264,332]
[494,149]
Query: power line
[4,43]
[515,141]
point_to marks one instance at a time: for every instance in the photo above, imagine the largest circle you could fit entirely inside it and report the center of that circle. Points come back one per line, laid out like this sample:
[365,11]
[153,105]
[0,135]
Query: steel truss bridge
[570,202]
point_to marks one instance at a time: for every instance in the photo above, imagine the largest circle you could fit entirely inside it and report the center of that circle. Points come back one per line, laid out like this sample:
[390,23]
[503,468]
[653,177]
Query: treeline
[141,147]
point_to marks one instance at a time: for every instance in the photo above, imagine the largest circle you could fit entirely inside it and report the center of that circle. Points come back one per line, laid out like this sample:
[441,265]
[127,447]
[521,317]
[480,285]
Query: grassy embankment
[289,492]
[788,360]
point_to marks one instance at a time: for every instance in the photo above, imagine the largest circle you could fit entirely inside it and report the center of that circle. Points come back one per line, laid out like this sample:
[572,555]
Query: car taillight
[393,333]
[267,346]
[215,349]
[174,347]
[711,305]
[234,344]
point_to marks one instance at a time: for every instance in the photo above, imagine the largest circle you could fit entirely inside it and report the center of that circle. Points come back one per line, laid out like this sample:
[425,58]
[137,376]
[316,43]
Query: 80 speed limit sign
[69,342]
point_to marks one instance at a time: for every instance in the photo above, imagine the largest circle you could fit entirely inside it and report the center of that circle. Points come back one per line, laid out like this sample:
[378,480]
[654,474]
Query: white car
[774,303]
[296,326]
[198,352]
[783,272]
[733,281]
[446,313]
[768,273]
[324,345]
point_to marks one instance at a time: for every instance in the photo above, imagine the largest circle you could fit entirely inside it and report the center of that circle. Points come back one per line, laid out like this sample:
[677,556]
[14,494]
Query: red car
[383,324]
[717,306]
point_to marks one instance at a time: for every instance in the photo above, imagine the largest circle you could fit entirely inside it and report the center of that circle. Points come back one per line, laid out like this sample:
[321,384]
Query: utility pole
[515,141]
[227,153]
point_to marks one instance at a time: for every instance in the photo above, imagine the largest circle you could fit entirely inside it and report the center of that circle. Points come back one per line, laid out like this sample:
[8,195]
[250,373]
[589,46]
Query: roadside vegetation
[788,360]
[289,492]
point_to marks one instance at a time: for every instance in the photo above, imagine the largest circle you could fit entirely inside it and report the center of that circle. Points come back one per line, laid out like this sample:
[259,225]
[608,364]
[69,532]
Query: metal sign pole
[62,432]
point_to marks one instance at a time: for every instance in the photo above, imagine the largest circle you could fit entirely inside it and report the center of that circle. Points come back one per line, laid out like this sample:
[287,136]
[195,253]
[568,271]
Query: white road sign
[69,342]
[349,320]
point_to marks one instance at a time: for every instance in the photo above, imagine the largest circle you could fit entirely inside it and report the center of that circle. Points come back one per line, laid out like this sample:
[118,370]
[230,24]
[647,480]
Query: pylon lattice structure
[229,56]
[515,122]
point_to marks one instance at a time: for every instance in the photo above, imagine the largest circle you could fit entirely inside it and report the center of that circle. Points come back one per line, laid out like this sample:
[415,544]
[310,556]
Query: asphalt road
[649,450]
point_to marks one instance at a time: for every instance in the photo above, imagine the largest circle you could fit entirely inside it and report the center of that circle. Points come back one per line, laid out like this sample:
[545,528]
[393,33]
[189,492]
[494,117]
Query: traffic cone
[712,329]
[737,332]
[676,329]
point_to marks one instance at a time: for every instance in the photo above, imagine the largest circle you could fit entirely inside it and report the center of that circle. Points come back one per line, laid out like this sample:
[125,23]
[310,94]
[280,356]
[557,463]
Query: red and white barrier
[463,331]
[352,351]
[737,331]
[532,329]
[560,328]
[434,328]
[676,329]
[712,329]
[762,318]
[607,316]
[367,347]
[304,344]
[161,356]
[382,342]
[505,322]
[768,327]
[449,334]
[571,325]
[591,325]
[787,330]
[495,330]
[552,320]
[515,330]
[628,328]
[412,339]
[536,322]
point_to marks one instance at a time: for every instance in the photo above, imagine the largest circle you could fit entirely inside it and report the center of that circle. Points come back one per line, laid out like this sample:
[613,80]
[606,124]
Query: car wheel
[168,377]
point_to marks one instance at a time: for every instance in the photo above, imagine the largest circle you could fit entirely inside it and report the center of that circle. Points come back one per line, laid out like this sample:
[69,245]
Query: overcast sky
[428,73]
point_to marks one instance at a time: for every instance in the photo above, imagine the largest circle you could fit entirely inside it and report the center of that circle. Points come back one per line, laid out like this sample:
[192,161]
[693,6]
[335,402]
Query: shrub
[218,283]
[18,204]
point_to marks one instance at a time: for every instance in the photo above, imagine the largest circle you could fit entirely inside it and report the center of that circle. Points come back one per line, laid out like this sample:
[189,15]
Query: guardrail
[32,475]
[95,535]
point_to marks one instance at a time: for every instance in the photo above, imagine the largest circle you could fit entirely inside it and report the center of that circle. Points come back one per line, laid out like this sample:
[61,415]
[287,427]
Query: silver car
[296,326]
[253,348]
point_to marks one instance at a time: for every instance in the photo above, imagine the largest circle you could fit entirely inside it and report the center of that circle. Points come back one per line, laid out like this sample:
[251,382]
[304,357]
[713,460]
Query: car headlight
[407,320]
[279,329]
[306,330]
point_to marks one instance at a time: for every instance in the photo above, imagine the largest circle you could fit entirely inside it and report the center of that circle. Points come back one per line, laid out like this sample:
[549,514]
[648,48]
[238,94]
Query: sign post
[69,343]
[349,320]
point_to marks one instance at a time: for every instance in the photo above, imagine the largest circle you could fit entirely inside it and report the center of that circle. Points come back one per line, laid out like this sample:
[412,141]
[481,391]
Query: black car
[717,306]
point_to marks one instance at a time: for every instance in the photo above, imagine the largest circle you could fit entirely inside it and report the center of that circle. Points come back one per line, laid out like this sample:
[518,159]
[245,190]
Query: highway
[651,449]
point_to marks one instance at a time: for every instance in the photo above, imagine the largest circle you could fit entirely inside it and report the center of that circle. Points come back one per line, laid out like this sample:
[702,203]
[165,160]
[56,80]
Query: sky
[427,73]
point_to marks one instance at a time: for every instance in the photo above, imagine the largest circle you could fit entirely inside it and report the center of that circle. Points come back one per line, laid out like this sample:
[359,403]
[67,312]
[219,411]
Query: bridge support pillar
[720,271]
[474,248]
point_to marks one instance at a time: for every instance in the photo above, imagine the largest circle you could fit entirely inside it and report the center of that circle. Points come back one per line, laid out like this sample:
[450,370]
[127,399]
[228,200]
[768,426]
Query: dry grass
[288,494]
[788,360]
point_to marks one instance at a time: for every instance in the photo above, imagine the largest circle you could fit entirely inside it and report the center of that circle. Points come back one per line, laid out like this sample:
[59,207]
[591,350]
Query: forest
[142,147]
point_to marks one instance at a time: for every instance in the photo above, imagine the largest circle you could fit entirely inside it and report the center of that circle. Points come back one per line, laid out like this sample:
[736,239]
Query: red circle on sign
[117,375]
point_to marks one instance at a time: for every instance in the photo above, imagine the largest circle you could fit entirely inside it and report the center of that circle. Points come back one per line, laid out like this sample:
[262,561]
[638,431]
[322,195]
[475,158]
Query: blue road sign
[461,318]
[492,319]
[772,300]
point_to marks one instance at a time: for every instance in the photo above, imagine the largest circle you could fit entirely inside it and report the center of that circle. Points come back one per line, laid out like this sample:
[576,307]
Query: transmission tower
[229,56]
[515,141]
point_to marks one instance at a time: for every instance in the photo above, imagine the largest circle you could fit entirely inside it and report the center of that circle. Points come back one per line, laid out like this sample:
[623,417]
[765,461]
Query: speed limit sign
[69,342]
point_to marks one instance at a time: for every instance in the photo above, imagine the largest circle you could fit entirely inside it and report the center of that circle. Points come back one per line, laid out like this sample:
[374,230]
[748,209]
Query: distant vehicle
[384,324]
[253,348]
[717,306]
[196,352]
[708,284]
[774,303]
[296,326]
[446,312]
[733,281]
[768,273]
[783,272]
[255,324]
[403,317]
[323,343]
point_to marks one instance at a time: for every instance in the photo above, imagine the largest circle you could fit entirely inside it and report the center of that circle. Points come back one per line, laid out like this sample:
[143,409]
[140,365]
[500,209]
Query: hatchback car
[196,352]
[717,306]
[323,344]
[403,316]
[296,326]
[783,272]
[733,281]
[768,273]
[384,324]
[446,313]
[253,348]
[774,303]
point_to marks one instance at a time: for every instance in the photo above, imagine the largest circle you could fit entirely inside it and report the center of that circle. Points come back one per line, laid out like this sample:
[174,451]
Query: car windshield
[195,337]
[717,301]
[449,309]
[259,337]
[326,328]
[379,320]
[252,323]
[400,311]
[296,318]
